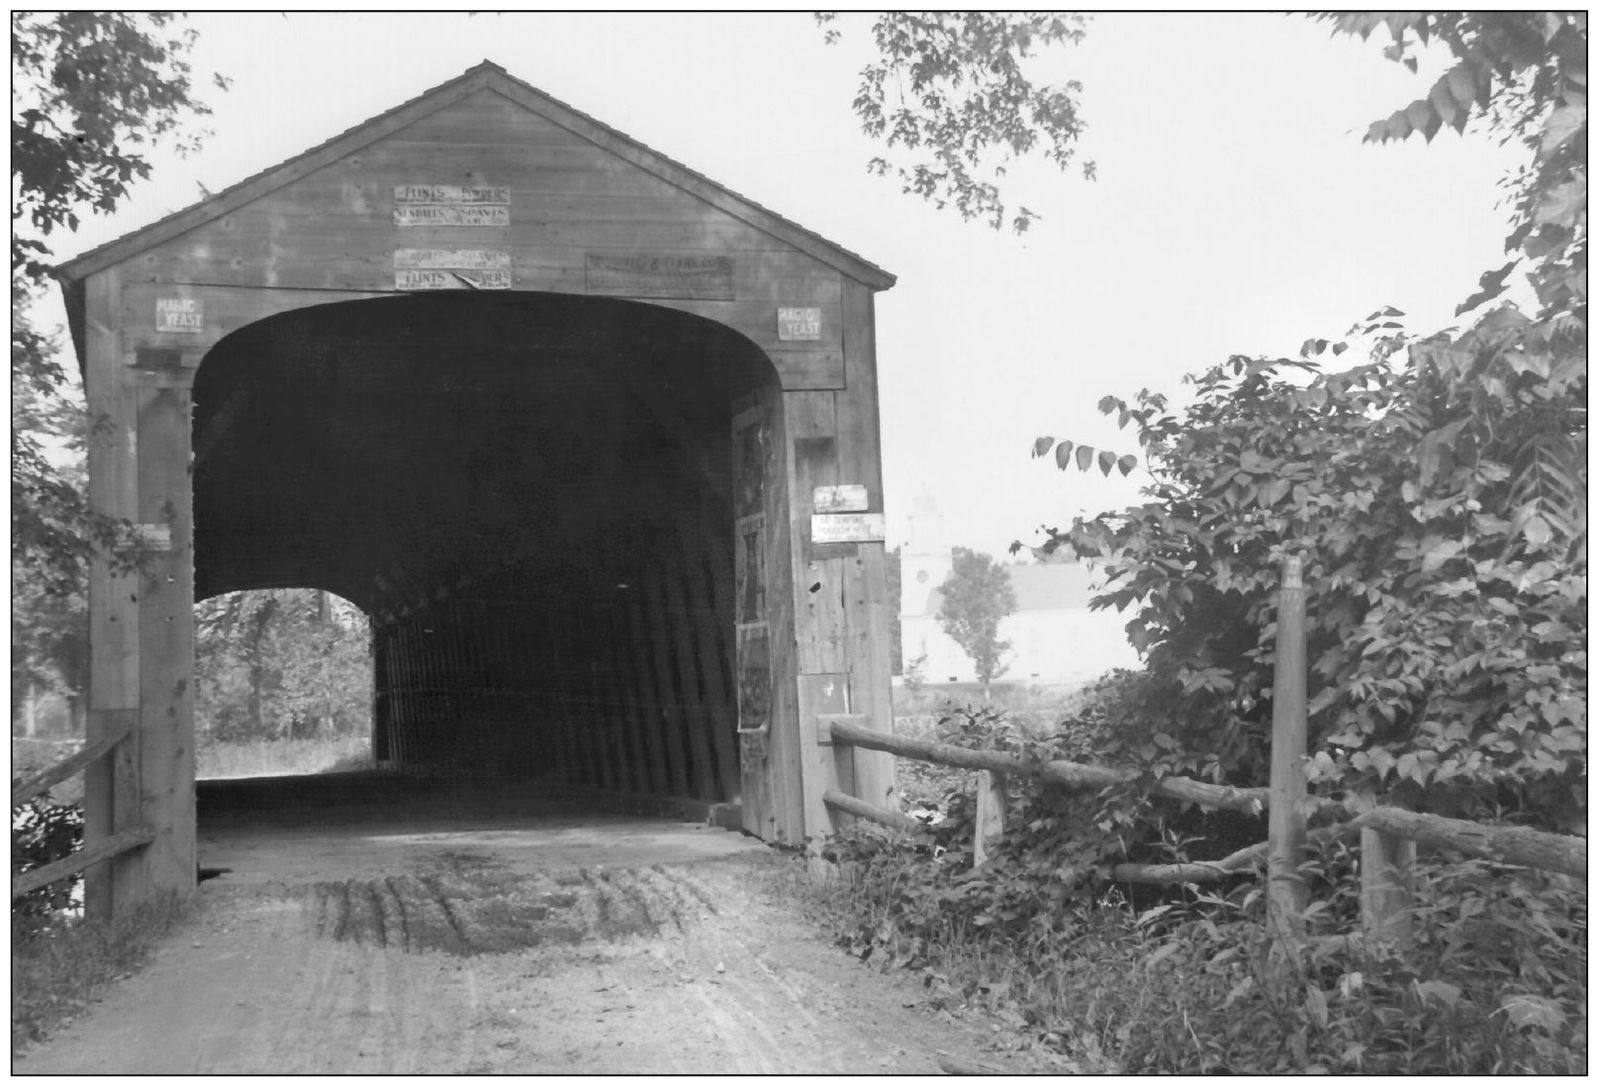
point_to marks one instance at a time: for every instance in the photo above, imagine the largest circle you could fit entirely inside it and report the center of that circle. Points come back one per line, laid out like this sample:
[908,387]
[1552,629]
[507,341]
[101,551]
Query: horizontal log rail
[114,845]
[1520,846]
[863,809]
[1516,845]
[1250,801]
[48,778]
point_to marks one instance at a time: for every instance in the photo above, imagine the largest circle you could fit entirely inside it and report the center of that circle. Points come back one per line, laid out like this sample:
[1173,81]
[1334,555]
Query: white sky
[1236,210]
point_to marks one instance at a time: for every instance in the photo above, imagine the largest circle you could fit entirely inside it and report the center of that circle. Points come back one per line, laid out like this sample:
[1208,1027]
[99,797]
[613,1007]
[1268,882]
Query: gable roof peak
[485,73]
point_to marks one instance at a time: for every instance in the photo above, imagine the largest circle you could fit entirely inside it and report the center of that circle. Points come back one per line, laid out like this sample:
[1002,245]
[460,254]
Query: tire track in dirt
[676,969]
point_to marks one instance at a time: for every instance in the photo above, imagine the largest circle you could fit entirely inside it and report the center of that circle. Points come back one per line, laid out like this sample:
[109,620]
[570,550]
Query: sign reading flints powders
[801,322]
[453,205]
[648,275]
[453,269]
[453,194]
[467,279]
[849,527]
[184,315]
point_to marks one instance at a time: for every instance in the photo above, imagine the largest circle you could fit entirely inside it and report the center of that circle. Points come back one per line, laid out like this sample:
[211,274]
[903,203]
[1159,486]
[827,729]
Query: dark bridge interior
[530,496]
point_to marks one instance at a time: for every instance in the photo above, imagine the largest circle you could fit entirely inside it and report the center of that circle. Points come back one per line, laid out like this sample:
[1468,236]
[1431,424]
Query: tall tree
[92,93]
[975,598]
[950,96]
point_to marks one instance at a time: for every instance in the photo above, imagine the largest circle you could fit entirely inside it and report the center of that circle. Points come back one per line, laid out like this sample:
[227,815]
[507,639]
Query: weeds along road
[458,942]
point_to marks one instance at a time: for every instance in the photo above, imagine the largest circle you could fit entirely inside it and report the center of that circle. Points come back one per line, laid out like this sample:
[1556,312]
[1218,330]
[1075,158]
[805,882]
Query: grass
[57,971]
[277,757]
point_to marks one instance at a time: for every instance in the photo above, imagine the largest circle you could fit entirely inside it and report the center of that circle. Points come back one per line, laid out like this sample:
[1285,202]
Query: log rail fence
[1388,835]
[115,845]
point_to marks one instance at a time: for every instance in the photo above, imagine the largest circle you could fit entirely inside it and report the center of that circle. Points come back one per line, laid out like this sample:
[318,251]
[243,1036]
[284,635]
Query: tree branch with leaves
[949,95]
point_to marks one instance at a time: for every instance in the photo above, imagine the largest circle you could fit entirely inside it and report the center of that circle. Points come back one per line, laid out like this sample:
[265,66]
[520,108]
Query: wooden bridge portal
[593,441]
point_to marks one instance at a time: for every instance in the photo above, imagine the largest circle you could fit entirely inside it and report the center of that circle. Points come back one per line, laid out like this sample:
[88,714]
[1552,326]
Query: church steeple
[927,557]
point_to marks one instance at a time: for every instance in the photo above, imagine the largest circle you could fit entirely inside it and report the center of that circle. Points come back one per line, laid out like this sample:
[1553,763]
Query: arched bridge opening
[531,496]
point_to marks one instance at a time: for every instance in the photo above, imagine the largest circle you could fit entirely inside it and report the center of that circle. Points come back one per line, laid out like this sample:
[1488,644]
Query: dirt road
[464,942]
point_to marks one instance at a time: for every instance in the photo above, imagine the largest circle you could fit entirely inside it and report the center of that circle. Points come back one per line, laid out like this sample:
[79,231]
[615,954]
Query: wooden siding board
[695,599]
[820,618]
[670,704]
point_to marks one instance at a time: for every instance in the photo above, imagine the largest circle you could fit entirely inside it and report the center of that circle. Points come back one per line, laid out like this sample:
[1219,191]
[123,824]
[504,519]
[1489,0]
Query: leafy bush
[42,833]
[1436,494]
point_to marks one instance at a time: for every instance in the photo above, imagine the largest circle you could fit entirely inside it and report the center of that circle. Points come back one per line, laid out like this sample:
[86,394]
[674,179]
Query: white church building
[1056,637]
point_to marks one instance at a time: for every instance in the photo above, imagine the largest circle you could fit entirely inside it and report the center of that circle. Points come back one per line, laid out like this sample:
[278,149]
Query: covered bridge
[592,440]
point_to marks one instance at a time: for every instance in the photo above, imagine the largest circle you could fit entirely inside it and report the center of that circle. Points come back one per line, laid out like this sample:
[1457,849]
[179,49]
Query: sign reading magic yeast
[800,322]
[658,275]
[185,315]
[849,527]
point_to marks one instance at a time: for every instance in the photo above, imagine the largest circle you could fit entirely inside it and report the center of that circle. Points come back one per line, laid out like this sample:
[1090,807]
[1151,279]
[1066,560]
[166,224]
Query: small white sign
[846,498]
[467,279]
[157,537]
[452,258]
[801,322]
[453,194]
[849,527]
[183,315]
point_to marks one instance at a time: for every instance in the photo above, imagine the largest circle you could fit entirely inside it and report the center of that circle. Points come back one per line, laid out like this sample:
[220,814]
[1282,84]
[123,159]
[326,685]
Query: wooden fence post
[1287,893]
[1386,884]
[991,809]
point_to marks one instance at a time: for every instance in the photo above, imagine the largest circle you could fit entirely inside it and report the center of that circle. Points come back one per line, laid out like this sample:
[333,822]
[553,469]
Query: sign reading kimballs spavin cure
[660,275]
[183,315]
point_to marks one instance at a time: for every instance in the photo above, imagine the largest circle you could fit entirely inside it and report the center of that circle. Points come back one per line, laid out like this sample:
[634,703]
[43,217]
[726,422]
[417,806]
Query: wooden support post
[166,649]
[1386,884]
[111,786]
[819,590]
[991,810]
[1286,892]
[869,608]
